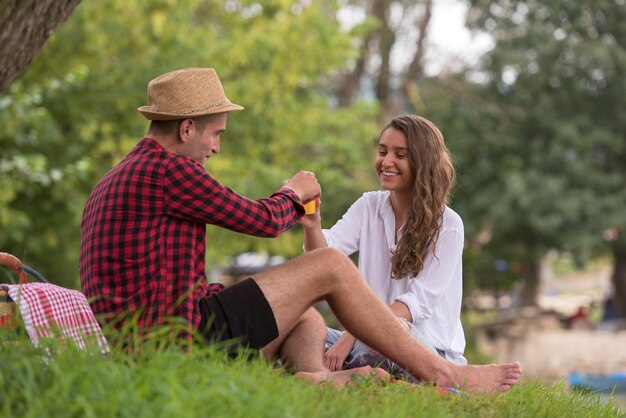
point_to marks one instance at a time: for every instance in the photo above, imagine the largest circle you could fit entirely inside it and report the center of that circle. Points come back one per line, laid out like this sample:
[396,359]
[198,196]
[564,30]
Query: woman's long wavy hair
[434,178]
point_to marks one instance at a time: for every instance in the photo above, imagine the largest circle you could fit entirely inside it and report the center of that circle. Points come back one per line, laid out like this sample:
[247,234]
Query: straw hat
[186,93]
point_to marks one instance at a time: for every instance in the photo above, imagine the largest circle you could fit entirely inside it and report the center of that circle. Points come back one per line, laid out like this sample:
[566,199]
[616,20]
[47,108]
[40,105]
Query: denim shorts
[362,355]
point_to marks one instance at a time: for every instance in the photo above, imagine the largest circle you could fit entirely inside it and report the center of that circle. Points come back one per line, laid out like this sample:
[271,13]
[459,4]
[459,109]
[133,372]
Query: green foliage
[72,115]
[166,382]
[41,178]
[538,136]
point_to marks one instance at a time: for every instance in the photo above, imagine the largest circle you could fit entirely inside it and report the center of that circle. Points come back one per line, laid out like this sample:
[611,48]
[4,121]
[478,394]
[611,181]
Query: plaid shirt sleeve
[192,193]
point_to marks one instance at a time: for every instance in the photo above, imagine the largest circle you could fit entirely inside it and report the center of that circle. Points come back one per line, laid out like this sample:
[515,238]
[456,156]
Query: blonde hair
[434,178]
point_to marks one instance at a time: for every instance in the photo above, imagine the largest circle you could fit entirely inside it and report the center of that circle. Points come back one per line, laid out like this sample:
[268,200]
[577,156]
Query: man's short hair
[169,127]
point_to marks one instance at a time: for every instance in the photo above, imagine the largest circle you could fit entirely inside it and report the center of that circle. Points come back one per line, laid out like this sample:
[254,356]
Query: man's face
[206,138]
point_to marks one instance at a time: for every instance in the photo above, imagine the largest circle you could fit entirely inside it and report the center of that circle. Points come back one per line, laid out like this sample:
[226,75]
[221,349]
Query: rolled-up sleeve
[425,290]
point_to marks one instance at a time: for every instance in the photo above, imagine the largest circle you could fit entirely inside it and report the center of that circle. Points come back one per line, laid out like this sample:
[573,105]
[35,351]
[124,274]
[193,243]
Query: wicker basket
[8,311]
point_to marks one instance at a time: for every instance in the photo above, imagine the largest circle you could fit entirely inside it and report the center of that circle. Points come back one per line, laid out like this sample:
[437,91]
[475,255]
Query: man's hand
[337,354]
[305,185]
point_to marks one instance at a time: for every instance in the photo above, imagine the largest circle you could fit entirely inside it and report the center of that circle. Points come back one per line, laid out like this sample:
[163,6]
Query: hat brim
[151,115]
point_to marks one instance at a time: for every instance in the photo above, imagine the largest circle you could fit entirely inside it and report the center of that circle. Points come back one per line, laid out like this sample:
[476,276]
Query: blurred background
[528,94]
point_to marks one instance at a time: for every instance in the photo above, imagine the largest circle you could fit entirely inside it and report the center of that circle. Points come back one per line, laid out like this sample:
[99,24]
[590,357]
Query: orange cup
[310,208]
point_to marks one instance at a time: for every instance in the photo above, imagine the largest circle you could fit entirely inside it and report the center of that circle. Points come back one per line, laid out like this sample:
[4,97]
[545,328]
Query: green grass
[165,382]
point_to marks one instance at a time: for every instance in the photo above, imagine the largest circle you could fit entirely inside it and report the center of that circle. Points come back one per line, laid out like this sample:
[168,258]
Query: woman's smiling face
[392,162]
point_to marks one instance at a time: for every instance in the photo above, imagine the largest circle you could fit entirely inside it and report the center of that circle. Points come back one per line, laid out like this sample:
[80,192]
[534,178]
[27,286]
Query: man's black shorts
[239,313]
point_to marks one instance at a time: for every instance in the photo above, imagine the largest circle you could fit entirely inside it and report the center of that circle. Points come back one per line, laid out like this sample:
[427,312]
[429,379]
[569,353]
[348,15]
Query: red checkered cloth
[52,311]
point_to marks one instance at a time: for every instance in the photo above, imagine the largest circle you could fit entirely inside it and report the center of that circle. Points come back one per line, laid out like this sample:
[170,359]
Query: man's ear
[186,130]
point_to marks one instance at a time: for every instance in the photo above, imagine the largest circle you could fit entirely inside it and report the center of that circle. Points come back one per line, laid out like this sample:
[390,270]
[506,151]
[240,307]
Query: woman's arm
[312,225]
[400,310]
[344,235]
[425,291]
[336,355]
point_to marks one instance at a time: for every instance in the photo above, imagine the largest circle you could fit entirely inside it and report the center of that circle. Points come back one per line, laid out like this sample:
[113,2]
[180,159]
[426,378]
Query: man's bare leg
[293,287]
[302,348]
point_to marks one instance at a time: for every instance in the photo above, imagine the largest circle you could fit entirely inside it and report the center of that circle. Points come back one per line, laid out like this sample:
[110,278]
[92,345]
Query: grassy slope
[167,383]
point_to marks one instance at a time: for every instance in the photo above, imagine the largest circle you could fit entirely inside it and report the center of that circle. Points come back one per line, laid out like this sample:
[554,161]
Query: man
[143,251]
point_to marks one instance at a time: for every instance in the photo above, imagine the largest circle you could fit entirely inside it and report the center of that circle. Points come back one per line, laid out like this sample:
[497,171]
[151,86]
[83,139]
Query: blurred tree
[392,39]
[25,26]
[72,115]
[544,130]
[454,105]
[39,186]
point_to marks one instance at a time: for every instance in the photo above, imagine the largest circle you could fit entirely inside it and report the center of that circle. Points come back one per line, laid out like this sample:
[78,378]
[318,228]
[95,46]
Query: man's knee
[312,315]
[333,268]
[332,260]
[313,320]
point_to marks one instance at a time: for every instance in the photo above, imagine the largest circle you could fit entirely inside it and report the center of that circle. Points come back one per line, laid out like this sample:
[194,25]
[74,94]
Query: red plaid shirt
[143,234]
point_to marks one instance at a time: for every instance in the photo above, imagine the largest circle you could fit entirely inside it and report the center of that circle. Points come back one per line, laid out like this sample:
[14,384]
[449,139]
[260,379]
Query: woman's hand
[337,354]
[314,220]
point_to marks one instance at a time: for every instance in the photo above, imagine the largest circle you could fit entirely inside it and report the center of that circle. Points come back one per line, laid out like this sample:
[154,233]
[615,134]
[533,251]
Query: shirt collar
[148,142]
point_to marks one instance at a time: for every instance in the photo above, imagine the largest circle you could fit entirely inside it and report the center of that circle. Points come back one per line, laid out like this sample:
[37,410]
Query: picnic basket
[44,310]
[8,311]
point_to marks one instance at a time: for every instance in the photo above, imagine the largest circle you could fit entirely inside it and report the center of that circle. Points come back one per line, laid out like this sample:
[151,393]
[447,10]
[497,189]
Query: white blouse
[434,296]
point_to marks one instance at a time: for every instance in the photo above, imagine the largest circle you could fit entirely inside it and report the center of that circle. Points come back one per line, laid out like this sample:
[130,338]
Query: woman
[410,243]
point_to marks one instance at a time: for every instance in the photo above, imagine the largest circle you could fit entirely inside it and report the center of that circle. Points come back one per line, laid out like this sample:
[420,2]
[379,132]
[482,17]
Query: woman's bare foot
[489,378]
[343,377]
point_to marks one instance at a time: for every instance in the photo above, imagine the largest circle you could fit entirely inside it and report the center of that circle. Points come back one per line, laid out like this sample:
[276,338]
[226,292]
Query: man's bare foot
[343,377]
[489,378]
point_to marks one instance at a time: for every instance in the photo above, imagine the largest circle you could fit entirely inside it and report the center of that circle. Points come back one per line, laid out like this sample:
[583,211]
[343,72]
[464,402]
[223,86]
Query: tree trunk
[619,283]
[416,68]
[530,271]
[350,84]
[379,43]
[387,38]
[25,26]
